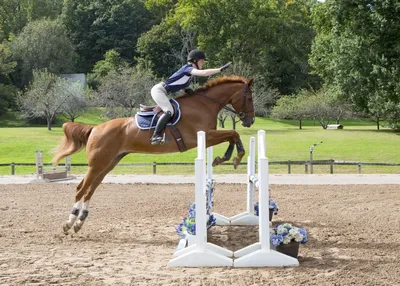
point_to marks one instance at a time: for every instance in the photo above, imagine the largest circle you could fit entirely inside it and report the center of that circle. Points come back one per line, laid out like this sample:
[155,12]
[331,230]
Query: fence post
[359,167]
[12,168]
[154,168]
[306,167]
[289,167]
[331,167]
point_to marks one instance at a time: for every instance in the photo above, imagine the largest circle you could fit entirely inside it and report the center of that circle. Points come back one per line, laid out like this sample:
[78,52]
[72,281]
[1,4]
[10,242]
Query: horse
[107,143]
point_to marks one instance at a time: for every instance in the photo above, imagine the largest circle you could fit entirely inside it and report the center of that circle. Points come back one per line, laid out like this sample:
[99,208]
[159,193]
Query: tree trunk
[300,124]
[377,123]
[49,124]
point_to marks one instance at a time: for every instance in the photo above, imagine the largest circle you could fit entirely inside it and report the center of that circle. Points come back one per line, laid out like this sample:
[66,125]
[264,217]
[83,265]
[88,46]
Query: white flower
[286,240]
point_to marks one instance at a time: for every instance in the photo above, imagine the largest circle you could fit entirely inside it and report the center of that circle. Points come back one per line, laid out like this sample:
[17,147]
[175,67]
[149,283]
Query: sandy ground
[129,238]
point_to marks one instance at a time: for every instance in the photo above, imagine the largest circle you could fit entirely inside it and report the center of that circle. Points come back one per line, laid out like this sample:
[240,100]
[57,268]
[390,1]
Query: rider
[178,81]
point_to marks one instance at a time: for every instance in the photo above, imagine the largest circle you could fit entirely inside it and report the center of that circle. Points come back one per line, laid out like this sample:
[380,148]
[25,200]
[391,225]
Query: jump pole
[260,254]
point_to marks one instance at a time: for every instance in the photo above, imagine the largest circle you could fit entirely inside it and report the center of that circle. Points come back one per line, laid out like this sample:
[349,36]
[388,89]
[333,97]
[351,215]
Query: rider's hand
[189,91]
[224,67]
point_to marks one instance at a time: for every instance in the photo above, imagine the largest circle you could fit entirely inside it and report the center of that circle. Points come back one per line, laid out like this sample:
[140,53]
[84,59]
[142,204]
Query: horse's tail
[75,138]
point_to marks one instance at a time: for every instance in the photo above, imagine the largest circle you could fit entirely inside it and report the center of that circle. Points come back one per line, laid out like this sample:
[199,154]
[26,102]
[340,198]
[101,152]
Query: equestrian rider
[178,81]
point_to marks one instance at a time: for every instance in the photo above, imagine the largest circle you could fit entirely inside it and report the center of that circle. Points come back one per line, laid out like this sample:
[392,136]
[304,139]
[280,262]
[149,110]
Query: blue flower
[303,232]
[188,226]
[272,206]
[276,239]
[286,233]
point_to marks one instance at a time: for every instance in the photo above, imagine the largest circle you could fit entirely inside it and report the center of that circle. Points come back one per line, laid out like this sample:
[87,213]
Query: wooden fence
[308,165]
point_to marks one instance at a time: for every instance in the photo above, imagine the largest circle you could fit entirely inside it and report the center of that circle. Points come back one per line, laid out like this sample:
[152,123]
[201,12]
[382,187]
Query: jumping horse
[107,143]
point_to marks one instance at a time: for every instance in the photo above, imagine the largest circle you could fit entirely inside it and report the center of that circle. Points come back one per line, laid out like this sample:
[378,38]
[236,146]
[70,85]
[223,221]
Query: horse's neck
[219,96]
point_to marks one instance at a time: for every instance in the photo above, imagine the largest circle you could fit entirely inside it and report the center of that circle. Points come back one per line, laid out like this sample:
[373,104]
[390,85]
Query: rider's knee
[169,112]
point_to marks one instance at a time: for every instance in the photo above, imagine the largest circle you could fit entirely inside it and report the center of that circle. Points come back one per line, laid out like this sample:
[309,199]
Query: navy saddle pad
[148,120]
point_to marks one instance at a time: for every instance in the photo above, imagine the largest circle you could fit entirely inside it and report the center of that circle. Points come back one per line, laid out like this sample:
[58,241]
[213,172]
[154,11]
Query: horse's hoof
[66,228]
[77,227]
[236,162]
[217,161]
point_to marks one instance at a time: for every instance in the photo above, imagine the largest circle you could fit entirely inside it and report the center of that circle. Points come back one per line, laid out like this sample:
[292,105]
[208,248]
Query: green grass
[358,141]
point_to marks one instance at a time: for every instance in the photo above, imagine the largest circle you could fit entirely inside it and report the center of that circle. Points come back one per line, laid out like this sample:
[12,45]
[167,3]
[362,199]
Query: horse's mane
[222,80]
[216,82]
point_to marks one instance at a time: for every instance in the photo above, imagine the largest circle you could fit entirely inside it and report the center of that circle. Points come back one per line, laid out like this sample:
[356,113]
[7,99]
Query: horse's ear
[250,82]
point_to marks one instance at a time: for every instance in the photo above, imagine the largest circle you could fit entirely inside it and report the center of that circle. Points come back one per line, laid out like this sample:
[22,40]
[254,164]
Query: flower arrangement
[188,226]
[287,233]
[272,206]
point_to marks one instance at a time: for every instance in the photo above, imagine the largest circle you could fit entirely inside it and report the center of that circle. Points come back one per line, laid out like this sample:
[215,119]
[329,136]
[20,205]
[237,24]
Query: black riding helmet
[196,55]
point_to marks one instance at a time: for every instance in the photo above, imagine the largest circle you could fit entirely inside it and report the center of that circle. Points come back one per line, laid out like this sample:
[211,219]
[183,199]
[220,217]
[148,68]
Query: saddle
[147,118]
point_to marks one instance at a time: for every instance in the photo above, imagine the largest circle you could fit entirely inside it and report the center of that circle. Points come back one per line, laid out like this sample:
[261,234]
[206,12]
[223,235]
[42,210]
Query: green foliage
[112,62]
[322,105]
[15,14]
[274,38]
[166,47]
[43,44]
[357,50]
[98,26]
[8,92]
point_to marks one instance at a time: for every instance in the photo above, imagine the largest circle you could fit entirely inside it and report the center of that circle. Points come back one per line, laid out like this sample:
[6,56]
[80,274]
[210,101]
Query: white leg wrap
[74,213]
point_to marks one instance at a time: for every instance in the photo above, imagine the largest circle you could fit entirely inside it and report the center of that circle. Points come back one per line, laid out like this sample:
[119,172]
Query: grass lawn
[358,141]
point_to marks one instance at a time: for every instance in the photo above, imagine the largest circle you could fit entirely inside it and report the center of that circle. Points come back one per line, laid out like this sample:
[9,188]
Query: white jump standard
[260,254]
[202,253]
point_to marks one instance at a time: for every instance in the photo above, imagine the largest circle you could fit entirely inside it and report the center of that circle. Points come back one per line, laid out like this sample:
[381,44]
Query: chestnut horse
[107,143]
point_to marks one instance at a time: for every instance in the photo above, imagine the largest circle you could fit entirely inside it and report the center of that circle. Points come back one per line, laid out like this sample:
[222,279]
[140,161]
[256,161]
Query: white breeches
[159,94]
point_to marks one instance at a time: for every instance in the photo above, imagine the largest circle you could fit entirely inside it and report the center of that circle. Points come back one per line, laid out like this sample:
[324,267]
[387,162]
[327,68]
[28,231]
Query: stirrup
[157,140]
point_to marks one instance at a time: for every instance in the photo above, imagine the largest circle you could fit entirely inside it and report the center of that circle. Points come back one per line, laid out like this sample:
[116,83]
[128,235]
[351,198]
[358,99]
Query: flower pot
[291,249]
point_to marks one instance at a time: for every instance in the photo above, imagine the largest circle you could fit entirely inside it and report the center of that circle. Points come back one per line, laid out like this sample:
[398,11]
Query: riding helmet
[196,55]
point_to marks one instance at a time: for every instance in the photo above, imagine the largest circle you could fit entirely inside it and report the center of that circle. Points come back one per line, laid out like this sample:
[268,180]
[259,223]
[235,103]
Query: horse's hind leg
[75,210]
[84,212]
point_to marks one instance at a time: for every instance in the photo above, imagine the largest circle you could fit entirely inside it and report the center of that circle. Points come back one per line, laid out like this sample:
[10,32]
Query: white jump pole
[202,253]
[260,254]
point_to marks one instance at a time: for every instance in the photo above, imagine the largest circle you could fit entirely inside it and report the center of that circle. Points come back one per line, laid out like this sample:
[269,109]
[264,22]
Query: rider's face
[200,64]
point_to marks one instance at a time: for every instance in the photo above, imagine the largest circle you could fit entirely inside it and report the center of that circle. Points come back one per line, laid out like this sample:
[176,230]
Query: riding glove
[224,67]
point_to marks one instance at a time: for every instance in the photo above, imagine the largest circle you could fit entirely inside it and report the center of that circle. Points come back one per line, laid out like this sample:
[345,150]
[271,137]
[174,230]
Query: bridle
[242,113]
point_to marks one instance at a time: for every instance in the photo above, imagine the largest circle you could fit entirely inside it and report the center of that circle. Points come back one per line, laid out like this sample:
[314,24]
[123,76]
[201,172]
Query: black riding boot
[161,124]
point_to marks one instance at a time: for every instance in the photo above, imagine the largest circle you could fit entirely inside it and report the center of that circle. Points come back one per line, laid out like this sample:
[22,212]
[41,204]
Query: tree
[357,50]
[166,47]
[15,14]
[45,97]
[274,37]
[98,26]
[112,62]
[43,44]
[122,92]
[291,107]
[7,91]
[75,104]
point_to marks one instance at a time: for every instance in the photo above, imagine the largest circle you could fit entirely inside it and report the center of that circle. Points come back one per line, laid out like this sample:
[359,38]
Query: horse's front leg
[215,137]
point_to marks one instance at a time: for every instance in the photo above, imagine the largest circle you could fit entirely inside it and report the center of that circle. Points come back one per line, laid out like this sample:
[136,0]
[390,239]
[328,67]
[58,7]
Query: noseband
[242,113]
